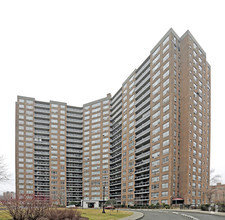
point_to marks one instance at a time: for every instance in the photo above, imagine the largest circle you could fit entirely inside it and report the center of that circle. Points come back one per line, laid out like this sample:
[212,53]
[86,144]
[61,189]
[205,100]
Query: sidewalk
[189,210]
[136,215]
[200,211]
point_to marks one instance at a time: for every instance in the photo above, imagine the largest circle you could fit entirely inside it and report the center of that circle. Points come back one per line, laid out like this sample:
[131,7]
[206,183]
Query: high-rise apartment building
[147,144]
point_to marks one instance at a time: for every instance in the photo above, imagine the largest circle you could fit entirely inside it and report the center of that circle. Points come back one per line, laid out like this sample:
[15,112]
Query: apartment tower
[147,144]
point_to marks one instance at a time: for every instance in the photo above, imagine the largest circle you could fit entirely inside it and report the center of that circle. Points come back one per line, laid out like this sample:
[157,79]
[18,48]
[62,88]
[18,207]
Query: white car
[70,206]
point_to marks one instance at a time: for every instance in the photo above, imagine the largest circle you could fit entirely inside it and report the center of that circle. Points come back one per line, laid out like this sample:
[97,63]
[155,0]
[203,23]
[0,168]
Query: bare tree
[27,207]
[3,170]
[214,179]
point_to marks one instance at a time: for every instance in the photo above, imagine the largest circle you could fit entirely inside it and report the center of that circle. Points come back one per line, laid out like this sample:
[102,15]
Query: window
[156,91]
[165,57]
[155,179]
[156,67]
[166,168]
[166,108]
[166,82]
[166,125]
[155,163]
[165,143]
[165,177]
[156,51]
[156,83]
[156,59]
[165,193]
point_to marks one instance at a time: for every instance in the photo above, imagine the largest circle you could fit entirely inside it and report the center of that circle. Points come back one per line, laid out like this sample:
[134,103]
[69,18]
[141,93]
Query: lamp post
[103,210]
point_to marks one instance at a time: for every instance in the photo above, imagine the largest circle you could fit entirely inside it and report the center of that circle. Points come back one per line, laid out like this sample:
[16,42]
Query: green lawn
[4,215]
[94,214]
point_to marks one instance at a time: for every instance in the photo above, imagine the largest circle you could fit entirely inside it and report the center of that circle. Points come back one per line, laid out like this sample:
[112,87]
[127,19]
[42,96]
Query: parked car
[70,206]
[109,207]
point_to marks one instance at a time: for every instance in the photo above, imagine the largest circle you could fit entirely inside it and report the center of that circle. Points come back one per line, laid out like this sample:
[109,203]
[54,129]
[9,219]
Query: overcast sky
[78,51]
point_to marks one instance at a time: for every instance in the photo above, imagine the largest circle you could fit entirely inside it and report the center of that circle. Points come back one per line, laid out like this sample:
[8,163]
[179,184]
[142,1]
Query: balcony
[142,149]
[114,149]
[41,158]
[145,88]
[41,168]
[118,130]
[75,110]
[41,184]
[143,97]
[41,116]
[140,71]
[147,131]
[115,161]
[143,74]
[46,106]
[41,121]
[116,143]
[74,130]
[73,165]
[41,152]
[147,154]
[142,177]
[147,101]
[147,79]
[115,172]
[74,160]
[73,175]
[143,191]
[41,137]
[116,137]
[41,163]
[39,173]
[147,123]
[42,178]
[115,183]
[115,155]
[142,170]
[142,141]
[143,111]
[74,120]
[36,147]
[41,132]
[74,145]
[74,156]
[41,189]
[74,140]
[75,115]
[74,150]
[115,166]
[141,163]
[115,177]
[74,125]
[116,109]
[41,142]
[74,135]
[41,126]
[142,184]
[144,198]
[42,110]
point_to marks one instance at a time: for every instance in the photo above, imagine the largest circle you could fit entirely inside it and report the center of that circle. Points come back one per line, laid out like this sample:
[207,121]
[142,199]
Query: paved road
[173,215]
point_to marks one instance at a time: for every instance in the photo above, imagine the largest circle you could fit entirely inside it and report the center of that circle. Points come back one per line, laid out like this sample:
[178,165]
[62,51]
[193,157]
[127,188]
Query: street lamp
[103,210]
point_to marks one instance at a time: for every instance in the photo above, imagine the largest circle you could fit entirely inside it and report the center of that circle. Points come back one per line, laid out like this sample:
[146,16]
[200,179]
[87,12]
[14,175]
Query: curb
[190,211]
[135,216]
[202,212]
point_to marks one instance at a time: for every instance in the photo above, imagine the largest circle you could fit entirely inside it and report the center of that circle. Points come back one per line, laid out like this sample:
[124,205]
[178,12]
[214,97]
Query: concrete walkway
[200,211]
[136,215]
[188,210]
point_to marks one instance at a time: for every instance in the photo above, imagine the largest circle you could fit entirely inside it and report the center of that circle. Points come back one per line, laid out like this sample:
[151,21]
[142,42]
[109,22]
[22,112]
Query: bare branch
[3,170]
